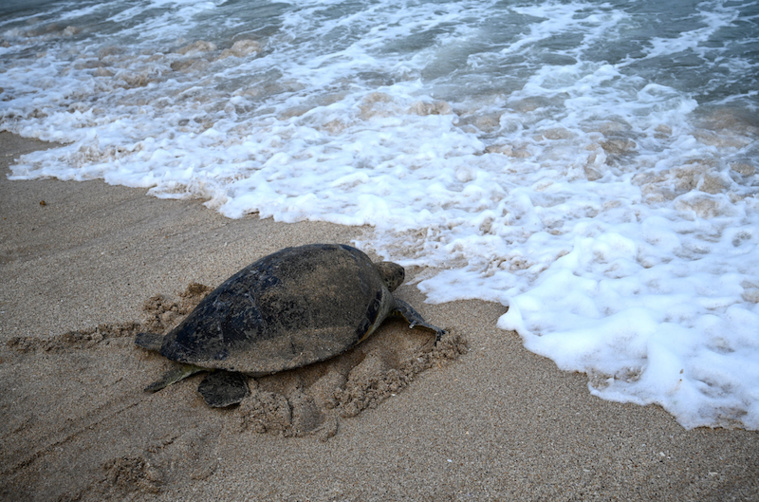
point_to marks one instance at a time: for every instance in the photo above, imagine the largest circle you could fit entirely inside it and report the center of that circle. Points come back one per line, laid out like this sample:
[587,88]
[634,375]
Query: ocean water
[592,165]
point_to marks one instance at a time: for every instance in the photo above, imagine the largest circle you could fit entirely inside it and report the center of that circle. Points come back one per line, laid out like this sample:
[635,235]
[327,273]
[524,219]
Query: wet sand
[394,419]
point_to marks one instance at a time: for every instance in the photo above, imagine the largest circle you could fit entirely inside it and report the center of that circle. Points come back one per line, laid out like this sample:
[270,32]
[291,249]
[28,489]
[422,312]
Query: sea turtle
[291,308]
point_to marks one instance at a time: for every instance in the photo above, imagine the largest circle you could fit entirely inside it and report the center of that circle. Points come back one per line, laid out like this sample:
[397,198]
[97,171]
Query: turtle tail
[149,341]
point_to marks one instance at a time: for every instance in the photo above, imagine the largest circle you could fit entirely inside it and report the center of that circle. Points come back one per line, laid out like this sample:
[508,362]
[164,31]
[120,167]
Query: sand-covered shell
[288,309]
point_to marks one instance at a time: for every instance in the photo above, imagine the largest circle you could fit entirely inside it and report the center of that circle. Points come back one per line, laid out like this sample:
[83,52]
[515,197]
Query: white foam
[511,151]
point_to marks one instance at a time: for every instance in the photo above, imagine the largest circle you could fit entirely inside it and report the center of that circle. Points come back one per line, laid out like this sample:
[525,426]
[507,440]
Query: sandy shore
[497,423]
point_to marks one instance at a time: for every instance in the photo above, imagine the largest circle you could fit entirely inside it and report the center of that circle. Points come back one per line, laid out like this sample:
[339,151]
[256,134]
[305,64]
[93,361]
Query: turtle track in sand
[296,402]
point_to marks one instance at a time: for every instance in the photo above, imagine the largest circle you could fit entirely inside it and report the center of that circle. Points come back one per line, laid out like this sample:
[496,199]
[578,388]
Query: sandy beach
[85,265]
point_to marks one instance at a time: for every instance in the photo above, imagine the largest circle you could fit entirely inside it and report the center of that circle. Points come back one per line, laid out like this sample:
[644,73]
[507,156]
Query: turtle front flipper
[223,388]
[176,373]
[414,318]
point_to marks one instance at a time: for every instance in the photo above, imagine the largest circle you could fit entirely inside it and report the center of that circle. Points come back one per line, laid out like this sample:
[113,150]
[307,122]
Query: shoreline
[497,423]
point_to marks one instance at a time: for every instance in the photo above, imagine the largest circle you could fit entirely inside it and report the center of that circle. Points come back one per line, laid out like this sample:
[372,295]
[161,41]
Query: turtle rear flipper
[223,388]
[414,318]
[176,373]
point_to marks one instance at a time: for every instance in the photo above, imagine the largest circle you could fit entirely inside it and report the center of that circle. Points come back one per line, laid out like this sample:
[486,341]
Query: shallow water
[592,165]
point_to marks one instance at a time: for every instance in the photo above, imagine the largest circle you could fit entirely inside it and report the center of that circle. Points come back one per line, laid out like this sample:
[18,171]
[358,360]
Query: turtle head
[392,274]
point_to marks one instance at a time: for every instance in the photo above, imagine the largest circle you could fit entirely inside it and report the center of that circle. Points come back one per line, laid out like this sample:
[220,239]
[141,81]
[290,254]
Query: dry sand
[391,420]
